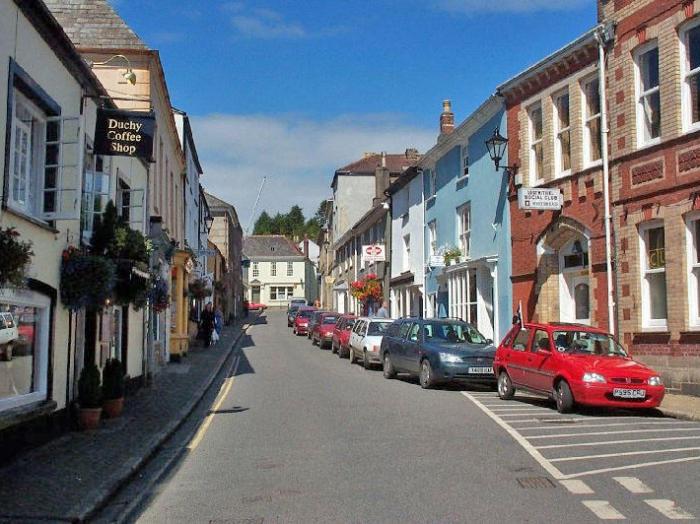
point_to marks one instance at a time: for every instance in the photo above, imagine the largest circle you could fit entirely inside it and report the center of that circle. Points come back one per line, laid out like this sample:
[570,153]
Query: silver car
[366,340]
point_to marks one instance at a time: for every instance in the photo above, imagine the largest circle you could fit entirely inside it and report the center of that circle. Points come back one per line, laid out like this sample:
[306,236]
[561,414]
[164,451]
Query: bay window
[653,265]
[563,134]
[592,145]
[690,41]
[536,145]
[648,95]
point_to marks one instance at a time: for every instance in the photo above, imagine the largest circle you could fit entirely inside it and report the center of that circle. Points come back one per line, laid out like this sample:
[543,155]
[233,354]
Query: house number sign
[124,133]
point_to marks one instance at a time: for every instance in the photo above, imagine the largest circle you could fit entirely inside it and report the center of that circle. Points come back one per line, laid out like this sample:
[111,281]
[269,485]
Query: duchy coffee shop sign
[125,133]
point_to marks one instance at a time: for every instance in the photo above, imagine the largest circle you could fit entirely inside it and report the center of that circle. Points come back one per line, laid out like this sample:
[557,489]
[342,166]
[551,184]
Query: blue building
[467,219]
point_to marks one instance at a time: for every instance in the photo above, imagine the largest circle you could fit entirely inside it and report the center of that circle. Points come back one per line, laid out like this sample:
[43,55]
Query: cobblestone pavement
[68,478]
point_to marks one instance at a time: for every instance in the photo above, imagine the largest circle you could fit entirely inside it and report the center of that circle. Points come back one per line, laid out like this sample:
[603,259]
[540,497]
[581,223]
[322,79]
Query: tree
[295,222]
[263,225]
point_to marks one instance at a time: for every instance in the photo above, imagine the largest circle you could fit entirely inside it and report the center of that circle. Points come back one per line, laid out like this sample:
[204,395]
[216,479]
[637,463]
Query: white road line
[519,414]
[603,510]
[577,425]
[669,509]
[631,466]
[558,475]
[519,408]
[633,485]
[635,431]
[613,442]
[577,487]
[623,454]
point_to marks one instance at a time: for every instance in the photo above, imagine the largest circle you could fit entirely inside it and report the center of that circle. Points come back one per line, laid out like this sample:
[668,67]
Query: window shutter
[60,190]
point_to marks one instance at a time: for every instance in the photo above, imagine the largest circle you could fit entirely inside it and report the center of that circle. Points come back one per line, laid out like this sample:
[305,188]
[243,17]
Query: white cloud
[258,22]
[512,6]
[298,155]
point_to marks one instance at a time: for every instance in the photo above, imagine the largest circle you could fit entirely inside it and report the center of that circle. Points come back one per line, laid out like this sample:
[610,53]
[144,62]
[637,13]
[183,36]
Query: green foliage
[453,253]
[292,224]
[89,390]
[16,255]
[112,380]
[199,289]
[87,281]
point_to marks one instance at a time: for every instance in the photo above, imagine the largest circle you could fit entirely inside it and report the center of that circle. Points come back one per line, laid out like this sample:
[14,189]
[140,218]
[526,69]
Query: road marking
[221,396]
[631,466]
[633,485]
[622,454]
[603,510]
[669,509]
[577,425]
[587,433]
[613,442]
[577,487]
[552,470]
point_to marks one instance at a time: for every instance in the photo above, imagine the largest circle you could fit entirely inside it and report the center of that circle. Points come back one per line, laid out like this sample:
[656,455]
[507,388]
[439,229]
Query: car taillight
[375,349]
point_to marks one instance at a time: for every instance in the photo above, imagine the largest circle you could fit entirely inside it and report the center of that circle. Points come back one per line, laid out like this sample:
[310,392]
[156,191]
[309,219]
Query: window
[463,296]
[563,134]
[464,216]
[281,292]
[406,262]
[693,251]
[653,261]
[649,97]
[536,145]
[273,269]
[290,269]
[464,150]
[432,238]
[592,147]
[540,341]
[521,340]
[690,38]
[256,269]
[95,190]
[432,182]
[405,328]
[130,203]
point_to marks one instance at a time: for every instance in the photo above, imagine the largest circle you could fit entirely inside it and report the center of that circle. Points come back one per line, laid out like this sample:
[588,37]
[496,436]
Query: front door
[255,294]
[576,302]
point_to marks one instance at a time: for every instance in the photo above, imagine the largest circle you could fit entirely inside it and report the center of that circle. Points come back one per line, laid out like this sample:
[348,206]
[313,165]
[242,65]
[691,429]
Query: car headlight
[593,377]
[655,381]
[450,358]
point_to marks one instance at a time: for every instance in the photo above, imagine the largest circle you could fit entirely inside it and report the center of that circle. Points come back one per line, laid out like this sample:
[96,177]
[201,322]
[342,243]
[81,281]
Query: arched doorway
[574,282]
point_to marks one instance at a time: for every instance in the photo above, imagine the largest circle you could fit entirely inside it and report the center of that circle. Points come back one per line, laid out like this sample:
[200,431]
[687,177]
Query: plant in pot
[89,397]
[452,253]
[113,388]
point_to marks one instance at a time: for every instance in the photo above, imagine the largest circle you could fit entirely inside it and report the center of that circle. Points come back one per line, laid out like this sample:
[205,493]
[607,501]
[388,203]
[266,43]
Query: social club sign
[124,133]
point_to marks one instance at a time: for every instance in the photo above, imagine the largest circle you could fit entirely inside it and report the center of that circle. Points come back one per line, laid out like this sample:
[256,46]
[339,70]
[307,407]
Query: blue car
[438,351]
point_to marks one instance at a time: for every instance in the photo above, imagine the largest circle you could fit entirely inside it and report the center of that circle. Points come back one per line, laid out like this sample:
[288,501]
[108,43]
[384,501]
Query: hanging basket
[160,295]
[87,281]
[199,289]
[133,283]
[367,288]
[15,257]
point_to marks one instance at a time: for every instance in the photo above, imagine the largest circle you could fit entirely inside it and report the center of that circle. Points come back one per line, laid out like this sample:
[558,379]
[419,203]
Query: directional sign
[373,253]
[540,198]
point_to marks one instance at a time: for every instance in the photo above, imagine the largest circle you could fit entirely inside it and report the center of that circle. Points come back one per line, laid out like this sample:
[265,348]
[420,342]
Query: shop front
[182,266]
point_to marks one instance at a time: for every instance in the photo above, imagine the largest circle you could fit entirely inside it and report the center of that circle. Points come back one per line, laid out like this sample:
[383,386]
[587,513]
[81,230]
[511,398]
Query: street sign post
[540,198]
[374,253]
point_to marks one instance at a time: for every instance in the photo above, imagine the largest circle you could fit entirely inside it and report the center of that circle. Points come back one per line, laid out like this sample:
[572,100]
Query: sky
[292,90]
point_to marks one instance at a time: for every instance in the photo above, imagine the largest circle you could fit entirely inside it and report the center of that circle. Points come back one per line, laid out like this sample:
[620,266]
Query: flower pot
[89,418]
[113,408]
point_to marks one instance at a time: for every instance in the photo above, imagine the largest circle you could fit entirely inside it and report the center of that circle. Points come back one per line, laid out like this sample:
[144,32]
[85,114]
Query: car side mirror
[489,341]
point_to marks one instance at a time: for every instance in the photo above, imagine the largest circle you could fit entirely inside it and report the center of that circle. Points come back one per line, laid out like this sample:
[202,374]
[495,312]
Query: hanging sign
[539,198]
[373,253]
[125,133]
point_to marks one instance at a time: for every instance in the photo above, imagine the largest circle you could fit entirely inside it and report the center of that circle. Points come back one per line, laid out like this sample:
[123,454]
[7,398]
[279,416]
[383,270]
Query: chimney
[381,181]
[306,245]
[447,118]
[412,154]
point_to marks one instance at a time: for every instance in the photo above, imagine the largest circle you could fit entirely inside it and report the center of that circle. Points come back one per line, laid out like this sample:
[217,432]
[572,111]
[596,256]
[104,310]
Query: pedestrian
[207,324]
[384,310]
[317,303]
[245,308]
[218,324]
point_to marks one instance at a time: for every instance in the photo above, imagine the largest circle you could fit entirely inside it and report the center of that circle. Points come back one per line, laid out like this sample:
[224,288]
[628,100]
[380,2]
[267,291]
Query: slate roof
[215,205]
[270,247]
[396,163]
[94,24]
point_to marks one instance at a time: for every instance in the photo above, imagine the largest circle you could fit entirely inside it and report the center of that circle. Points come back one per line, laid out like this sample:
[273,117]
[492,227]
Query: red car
[341,335]
[322,333]
[301,320]
[256,306]
[574,364]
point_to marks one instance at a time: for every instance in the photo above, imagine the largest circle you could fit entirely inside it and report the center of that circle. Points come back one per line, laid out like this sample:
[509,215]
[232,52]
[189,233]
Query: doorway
[575,293]
[255,294]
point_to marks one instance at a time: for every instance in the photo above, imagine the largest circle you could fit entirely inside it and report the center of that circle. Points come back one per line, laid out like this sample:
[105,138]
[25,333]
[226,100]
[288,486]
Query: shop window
[24,351]
[592,146]
[536,145]
[563,134]
[653,262]
[690,41]
[464,217]
[693,224]
[648,94]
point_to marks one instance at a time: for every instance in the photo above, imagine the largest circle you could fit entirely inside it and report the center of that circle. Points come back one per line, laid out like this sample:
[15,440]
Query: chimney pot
[447,118]
[383,158]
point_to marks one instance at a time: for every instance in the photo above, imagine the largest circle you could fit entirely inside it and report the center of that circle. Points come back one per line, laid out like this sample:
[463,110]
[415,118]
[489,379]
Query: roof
[216,204]
[270,246]
[401,182]
[94,24]
[396,163]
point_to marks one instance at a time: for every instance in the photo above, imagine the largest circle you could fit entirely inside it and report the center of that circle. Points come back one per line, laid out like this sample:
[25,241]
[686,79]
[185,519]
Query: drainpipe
[424,274]
[602,38]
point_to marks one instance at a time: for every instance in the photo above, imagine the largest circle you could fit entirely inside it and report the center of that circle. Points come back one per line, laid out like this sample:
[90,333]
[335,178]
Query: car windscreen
[350,323]
[377,328]
[305,314]
[452,332]
[330,320]
[587,342]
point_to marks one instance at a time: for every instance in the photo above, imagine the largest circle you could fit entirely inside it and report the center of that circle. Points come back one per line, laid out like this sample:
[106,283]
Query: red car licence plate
[629,393]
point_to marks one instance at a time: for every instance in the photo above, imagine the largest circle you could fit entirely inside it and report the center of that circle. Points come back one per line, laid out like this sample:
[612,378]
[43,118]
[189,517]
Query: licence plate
[481,371]
[629,393]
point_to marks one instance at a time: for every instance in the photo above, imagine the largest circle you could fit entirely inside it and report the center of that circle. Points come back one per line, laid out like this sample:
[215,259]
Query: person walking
[218,324]
[207,324]
[383,311]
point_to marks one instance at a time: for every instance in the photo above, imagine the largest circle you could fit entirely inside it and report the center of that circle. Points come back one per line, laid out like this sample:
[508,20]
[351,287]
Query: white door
[576,299]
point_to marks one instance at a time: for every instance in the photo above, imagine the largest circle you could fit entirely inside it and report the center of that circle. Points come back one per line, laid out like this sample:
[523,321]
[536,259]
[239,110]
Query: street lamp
[129,75]
[208,222]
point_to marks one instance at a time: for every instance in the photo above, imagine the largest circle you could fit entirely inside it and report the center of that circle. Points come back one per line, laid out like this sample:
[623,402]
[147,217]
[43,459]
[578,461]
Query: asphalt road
[299,435]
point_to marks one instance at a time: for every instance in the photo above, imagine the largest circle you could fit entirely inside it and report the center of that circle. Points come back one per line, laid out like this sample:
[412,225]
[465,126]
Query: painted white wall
[407,219]
[352,198]
[267,280]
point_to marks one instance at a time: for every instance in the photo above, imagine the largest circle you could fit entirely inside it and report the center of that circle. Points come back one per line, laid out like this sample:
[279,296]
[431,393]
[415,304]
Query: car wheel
[342,353]
[334,349]
[563,397]
[365,360]
[387,367]
[505,386]
[351,356]
[426,378]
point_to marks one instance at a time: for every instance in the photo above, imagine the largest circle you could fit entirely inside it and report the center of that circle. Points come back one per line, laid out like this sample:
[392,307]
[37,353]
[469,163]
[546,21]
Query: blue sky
[295,89]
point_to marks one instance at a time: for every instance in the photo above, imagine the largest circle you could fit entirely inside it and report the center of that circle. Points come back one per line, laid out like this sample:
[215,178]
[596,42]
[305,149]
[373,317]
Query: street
[299,435]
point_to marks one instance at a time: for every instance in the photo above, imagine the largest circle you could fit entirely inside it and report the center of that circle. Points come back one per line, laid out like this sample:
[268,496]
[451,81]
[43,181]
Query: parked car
[314,320]
[574,364]
[301,320]
[365,340]
[296,301]
[291,313]
[323,330]
[438,351]
[341,335]
[256,306]
[8,335]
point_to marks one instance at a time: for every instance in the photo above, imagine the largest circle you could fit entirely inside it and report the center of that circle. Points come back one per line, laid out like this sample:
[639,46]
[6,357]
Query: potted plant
[113,388]
[452,253]
[16,255]
[89,397]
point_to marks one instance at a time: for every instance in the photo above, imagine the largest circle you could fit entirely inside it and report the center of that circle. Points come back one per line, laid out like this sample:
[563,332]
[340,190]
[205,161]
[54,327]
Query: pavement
[71,477]
[681,406]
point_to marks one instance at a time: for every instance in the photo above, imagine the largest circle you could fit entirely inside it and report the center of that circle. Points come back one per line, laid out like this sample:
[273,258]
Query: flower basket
[368,288]
[453,254]
[160,295]
[199,289]
[87,281]
[16,255]
[133,283]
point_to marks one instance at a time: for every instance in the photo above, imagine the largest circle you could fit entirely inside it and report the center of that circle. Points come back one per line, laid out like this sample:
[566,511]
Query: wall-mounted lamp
[129,75]
[208,222]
